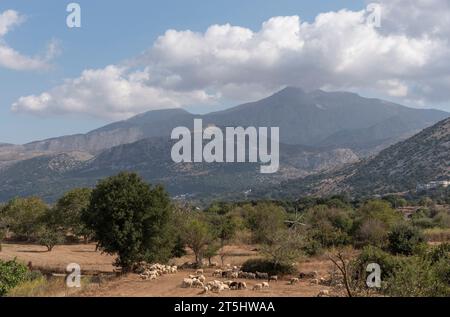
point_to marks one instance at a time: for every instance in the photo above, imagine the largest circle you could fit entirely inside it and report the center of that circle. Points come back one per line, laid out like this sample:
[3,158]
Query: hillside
[423,158]
[50,175]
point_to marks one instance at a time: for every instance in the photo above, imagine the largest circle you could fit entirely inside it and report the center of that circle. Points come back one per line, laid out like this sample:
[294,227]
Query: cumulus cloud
[407,59]
[12,59]
[110,92]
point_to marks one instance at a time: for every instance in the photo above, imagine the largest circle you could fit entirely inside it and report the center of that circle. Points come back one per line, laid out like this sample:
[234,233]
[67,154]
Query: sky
[133,56]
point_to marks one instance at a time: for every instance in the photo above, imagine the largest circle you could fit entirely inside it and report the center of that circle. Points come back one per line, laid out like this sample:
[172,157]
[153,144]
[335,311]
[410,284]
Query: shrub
[12,274]
[372,232]
[417,277]
[404,239]
[371,254]
[329,226]
[267,266]
[380,210]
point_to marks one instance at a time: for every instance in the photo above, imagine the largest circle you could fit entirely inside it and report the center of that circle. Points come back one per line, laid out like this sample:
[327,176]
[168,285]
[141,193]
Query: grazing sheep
[251,276]
[265,285]
[262,276]
[234,286]
[200,271]
[257,287]
[293,281]
[314,281]
[324,293]
[187,283]
[205,290]
[234,275]
[197,284]
[242,286]
[217,273]
[202,278]
[273,278]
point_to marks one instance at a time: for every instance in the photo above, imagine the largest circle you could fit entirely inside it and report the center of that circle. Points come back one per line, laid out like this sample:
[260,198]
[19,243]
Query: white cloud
[408,59]
[12,59]
[110,92]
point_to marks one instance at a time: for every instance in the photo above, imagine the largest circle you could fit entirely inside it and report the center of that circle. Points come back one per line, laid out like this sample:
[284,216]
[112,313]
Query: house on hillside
[433,185]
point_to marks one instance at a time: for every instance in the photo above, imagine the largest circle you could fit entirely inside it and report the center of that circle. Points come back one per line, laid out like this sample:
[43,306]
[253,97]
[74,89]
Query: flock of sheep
[198,280]
[152,271]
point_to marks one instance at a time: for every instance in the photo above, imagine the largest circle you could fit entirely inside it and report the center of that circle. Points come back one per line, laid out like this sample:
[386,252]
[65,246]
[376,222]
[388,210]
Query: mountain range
[319,131]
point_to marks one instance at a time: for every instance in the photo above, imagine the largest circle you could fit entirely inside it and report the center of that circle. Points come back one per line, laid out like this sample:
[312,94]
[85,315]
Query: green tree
[380,210]
[22,216]
[132,219]
[50,237]
[69,209]
[197,235]
[263,220]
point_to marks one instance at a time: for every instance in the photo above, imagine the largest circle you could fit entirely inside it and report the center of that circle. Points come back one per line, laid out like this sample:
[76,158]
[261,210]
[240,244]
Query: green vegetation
[131,219]
[138,222]
[12,274]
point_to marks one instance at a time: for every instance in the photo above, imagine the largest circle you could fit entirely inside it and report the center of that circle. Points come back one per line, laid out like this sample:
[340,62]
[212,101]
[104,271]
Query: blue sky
[115,31]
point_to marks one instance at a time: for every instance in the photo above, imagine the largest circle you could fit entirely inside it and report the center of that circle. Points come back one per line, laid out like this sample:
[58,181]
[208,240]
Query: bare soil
[132,285]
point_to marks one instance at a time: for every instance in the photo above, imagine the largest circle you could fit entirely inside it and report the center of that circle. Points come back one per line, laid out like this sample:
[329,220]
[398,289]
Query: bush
[405,239]
[329,226]
[12,274]
[371,254]
[267,266]
[372,232]
[417,277]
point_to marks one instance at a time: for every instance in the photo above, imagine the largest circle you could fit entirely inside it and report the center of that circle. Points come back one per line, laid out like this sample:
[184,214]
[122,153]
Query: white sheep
[257,287]
[265,285]
[187,283]
[293,281]
[199,271]
[202,278]
[197,284]
[324,293]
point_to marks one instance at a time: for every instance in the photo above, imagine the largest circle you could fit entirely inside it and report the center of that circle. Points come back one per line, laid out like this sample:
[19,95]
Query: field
[132,285]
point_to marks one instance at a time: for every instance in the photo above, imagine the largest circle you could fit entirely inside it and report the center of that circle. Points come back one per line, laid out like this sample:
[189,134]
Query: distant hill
[49,176]
[421,159]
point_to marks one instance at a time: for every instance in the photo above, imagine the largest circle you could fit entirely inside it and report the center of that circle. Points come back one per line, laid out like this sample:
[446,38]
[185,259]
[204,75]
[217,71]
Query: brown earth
[132,285]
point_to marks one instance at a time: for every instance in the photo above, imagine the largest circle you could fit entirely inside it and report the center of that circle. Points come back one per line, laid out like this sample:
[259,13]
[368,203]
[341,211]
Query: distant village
[433,185]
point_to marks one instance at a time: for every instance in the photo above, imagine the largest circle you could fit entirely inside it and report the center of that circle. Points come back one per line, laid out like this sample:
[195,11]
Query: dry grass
[437,235]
